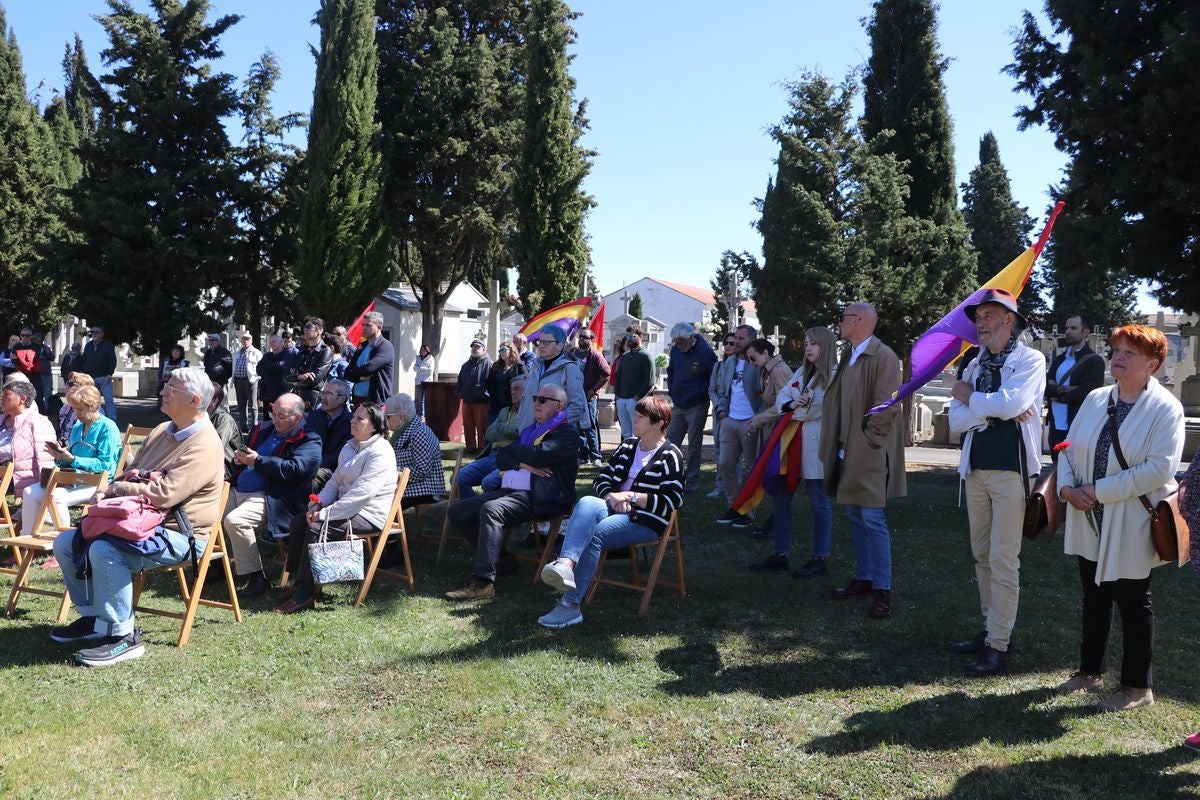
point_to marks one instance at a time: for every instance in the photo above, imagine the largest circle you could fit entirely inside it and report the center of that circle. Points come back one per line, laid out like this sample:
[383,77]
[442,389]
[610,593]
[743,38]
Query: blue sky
[681,95]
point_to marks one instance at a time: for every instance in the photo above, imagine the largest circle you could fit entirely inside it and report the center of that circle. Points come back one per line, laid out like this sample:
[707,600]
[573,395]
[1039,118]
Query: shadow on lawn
[954,720]
[28,646]
[1159,775]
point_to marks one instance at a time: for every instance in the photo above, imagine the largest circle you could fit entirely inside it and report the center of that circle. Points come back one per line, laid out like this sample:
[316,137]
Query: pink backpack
[132,517]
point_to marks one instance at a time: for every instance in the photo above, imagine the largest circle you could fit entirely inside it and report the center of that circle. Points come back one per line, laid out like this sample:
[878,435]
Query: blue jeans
[108,594]
[478,473]
[104,384]
[589,438]
[592,529]
[822,511]
[872,545]
[625,407]
[419,399]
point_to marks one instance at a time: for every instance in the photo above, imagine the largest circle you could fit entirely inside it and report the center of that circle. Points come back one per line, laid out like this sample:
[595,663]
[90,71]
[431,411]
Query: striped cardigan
[661,480]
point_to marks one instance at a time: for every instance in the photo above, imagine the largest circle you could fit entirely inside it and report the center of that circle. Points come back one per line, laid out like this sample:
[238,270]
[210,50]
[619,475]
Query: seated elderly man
[502,432]
[538,479]
[331,422]
[271,483]
[179,464]
[417,449]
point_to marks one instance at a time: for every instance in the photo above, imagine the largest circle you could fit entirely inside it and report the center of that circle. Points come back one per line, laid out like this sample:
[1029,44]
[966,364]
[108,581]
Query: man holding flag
[997,405]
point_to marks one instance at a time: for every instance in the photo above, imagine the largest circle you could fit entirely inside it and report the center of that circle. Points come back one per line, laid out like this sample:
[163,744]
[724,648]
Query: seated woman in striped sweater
[635,494]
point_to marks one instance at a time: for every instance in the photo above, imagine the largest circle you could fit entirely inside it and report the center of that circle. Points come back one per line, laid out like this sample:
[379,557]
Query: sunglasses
[538,398]
[731,344]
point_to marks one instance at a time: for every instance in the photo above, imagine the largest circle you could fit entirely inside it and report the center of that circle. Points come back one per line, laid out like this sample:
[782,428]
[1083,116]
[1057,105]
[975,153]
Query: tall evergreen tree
[549,247]
[1085,264]
[262,283]
[1000,227]
[31,178]
[343,243]
[152,211]
[80,90]
[905,116]
[66,141]
[635,306]
[803,224]
[450,101]
[1116,81]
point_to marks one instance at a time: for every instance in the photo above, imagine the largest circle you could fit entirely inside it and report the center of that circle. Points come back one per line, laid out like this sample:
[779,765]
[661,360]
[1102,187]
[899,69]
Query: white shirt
[739,404]
[640,457]
[1057,407]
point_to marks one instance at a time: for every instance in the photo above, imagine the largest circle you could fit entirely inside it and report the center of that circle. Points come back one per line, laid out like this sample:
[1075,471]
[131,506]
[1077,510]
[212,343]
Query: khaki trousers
[738,442]
[246,517]
[996,510]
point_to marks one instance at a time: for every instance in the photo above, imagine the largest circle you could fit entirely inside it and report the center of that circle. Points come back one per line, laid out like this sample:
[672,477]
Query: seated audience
[331,422]
[177,465]
[417,450]
[272,479]
[355,500]
[25,435]
[504,431]
[636,492]
[66,415]
[537,479]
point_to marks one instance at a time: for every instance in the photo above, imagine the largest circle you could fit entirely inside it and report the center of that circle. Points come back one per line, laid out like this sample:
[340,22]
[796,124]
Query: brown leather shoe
[292,607]
[853,588]
[881,604]
[475,590]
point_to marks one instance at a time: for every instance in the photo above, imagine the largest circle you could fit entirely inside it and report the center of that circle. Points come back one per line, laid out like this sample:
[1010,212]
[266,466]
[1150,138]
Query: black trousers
[1132,598]
[1055,436]
[482,518]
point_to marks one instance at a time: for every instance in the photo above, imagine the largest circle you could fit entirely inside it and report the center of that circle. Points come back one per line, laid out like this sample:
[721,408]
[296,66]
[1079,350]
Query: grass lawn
[753,686]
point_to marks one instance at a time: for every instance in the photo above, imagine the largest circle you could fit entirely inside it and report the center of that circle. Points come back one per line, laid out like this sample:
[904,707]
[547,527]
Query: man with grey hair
[688,372]
[739,402]
[417,450]
[245,381]
[179,465]
[863,455]
[218,364]
[271,483]
[330,422]
[521,346]
[370,369]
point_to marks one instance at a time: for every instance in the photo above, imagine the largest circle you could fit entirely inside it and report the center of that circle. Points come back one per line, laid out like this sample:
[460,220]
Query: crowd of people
[319,440]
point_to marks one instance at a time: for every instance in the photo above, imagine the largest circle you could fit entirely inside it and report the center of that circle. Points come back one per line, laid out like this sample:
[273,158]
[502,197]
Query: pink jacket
[31,433]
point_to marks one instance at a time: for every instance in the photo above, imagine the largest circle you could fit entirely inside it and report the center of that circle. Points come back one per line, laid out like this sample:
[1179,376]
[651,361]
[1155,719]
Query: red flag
[354,332]
[597,328]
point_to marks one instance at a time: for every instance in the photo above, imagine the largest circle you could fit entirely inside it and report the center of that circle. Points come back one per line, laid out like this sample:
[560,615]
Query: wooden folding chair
[6,523]
[128,447]
[375,543]
[669,536]
[546,548]
[215,548]
[41,542]
[454,460]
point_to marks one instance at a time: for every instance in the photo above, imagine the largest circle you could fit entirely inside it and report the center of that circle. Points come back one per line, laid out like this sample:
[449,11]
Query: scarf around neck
[990,364]
[532,434]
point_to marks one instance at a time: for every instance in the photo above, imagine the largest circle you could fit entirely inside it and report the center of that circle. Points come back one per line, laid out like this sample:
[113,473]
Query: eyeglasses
[546,342]
[282,417]
[850,316]
[308,326]
[168,387]
[538,398]
[72,383]
[731,343]
[330,394]
[95,331]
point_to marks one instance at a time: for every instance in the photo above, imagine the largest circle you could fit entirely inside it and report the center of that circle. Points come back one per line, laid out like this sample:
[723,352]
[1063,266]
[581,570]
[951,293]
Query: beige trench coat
[874,463]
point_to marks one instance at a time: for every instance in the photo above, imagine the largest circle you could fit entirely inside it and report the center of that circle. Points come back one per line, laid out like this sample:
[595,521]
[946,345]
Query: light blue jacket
[97,450]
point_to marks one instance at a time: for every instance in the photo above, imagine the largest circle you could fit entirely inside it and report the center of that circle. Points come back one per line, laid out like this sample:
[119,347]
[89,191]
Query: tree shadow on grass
[1164,775]
[955,720]
[29,645]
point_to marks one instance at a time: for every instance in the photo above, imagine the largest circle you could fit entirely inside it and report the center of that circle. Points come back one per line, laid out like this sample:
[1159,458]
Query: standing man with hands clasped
[997,406]
[1074,373]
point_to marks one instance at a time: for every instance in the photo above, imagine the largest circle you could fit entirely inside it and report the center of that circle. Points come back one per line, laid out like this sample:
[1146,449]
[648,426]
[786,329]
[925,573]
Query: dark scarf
[988,379]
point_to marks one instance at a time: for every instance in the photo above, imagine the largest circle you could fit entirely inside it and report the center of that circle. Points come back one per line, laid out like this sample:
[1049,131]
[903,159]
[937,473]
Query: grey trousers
[482,518]
[738,441]
[690,421]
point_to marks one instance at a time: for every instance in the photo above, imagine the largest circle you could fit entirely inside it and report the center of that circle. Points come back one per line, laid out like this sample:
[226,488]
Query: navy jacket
[333,436]
[288,472]
[558,451]
[688,373]
[377,370]
[271,368]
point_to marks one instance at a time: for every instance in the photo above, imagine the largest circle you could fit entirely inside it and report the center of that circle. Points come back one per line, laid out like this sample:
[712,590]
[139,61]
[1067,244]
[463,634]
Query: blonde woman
[802,398]
[66,416]
[92,446]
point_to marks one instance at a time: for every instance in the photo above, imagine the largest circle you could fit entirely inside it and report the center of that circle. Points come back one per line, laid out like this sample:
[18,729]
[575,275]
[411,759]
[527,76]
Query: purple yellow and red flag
[569,316]
[778,468]
[597,328]
[950,337]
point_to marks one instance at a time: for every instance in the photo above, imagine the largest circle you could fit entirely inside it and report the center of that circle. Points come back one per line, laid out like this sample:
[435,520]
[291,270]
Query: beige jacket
[192,472]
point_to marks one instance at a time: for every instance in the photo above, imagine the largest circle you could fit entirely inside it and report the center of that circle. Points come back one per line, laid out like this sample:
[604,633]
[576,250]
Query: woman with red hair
[1123,447]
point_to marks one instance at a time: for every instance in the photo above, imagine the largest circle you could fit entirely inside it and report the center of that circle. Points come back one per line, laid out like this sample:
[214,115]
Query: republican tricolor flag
[950,337]
[569,316]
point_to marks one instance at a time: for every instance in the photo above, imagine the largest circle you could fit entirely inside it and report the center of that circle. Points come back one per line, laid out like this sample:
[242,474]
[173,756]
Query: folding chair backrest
[61,478]
[5,484]
[375,543]
[128,448]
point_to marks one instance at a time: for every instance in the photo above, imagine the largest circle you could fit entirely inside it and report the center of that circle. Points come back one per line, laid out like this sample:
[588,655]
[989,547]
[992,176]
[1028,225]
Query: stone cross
[492,336]
[732,300]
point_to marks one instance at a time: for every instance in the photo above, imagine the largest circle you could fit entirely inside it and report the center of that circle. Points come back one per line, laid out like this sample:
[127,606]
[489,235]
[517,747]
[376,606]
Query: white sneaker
[559,574]
[542,528]
[714,494]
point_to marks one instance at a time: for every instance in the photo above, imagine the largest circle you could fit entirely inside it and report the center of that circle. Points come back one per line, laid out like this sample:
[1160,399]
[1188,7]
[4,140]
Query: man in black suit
[1076,371]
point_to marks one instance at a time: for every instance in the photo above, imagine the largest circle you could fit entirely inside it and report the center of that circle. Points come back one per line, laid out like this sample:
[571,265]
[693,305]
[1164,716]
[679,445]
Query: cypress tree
[262,283]
[30,182]
[803,224]
[343,244]
[549,248]
[735,268]
[152,211]
[905,116]
[79,90]
[635,306]
[1000,227]
[451,105]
